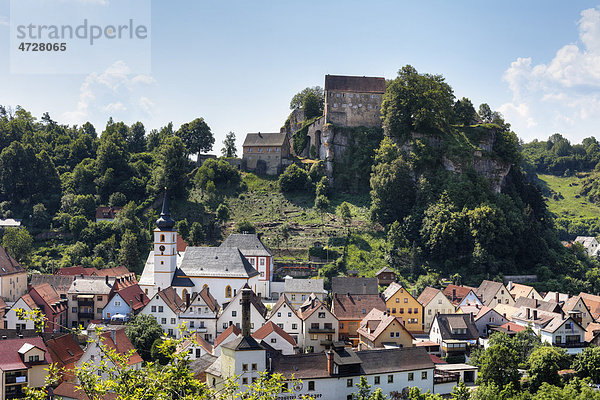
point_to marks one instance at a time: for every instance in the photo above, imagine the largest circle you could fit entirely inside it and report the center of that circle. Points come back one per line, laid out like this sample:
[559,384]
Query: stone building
[265,152]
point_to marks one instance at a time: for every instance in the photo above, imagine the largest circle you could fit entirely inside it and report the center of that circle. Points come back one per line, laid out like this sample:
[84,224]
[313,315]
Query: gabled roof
[72,390]
[92,285]
[447,322]
[64,350]
[107,212]
[542,319]
[310,306]
[47,293]
[384,269]
[487,290]
[551,296]
[248,243]
[548,306]
[121,344]
[361,84]
[505,310]
[593,303]
[592,331]
[180,279]
[484,311]
[275,139]
[519,290]
[269,328]
[282,300]
[8,265]
[196,339]
[292,285]
[209,300]
[376,322]
[29,301]
[60,283]
[428,294]
[586,241]
[355,307]
[243,343]
[216,261]
[570,304]
[352,285]
[11,360]
[171,299]
[392,289]
[134,296]
[231,330]
[511,327]
[456,293]
[557,322]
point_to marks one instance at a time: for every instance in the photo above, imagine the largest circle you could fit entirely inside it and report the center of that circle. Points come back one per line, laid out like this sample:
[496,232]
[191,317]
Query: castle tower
[165,248]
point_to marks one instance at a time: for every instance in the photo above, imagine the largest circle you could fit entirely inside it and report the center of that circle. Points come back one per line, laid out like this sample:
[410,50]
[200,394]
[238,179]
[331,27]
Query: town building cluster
[239,322]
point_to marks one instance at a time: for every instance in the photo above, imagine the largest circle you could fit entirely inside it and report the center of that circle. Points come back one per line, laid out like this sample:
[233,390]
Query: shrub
[293,179]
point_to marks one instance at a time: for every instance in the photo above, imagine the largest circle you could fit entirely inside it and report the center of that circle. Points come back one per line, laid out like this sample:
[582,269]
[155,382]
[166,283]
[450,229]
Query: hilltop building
[266,153]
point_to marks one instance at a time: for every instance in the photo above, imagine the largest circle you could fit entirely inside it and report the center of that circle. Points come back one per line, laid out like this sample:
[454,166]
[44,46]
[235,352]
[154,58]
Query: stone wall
[349,109]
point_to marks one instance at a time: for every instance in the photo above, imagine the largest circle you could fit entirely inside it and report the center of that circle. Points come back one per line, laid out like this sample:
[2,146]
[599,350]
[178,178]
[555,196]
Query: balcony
[8,380]
[570,345]
[321,330]
[85,315]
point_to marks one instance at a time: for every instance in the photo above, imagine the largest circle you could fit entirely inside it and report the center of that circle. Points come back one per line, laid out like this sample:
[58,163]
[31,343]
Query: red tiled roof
[47,294]
[29,301]
[509,326]
[134,296]
[355,307]
[115,272]
[376,322]
[225,334]
[64,350]
[10,359]
[75,270]
[269,328]
[123,344]
[210,301]
[436,359]
[181,244]
[172,299]
[8,265]
[427,295]
[72,390]
[461,292]
[105,212]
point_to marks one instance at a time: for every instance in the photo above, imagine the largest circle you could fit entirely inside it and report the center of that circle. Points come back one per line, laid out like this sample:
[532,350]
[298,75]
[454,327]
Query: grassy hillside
[564,199]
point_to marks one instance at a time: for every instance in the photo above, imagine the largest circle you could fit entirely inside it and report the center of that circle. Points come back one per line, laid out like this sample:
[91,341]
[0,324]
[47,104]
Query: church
[224,270]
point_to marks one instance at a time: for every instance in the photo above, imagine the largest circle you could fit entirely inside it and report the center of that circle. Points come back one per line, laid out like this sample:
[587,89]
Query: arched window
[173,251]
[162,238]
[184,295]
[228,292]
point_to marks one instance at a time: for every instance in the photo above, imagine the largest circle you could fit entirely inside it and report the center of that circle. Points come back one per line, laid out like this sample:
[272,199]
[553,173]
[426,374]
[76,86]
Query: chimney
[557,297]
[329,355]
[534,315]
[106,279]
[509,286]
[453,294]
[187,300]
[113,336]
[246,312]
[414,293]
[528,313]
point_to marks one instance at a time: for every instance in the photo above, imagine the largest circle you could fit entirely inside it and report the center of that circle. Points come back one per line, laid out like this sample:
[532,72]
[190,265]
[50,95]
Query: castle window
[228,291]
[334,105]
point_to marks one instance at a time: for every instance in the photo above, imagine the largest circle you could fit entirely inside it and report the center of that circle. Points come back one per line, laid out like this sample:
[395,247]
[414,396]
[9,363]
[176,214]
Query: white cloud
[4,20]
[562,95]
[113,93]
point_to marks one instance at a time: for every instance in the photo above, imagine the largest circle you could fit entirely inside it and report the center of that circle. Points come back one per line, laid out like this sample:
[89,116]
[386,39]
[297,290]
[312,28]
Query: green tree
[587,363]
[18,242]
[136,138]
[293,179]
[142,331]
[322,187]
[499,366]
[40,217]
[485,113]
[172,168]
[196,136]
[416,102]
[299,98]
[464,112]
[343,211]
[321,205]
[117,199]
[196,235]
[229,149]
[223,213]
[245,226]
[364,390]
[129,255]
[312,105]
[544,364]
[460,392]
[77,224]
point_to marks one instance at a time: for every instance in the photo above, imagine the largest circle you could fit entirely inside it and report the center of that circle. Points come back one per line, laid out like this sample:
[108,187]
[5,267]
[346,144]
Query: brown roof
[265,139]
[355,307]
[48,295]
[115,272]
[172,299]
[509,326]
[8,265]
[181,244]
[75,270]
[11,360]
[373,325]
[282,300]
[519,290]
[198,339]
[487,290]
[134,297]
[593,303]
[549,306]
[210,301]
[29,301]
[230,329]
[456,293]
[121,344]
[310,306]
[64,350]
[269,328]
[361,84]
[60,283]
[73,391]
[592,330]
[427,295]
[107,212]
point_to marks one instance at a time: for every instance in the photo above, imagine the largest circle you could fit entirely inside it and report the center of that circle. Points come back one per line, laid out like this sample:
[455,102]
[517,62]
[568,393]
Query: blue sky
[238,63]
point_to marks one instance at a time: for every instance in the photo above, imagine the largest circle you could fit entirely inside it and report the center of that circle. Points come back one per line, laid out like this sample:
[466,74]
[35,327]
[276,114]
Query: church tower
[165,248]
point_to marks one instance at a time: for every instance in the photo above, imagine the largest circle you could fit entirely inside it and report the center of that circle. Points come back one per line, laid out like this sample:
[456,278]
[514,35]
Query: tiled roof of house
[505,310]
[311,305]
[361,84]
[269,328]
[231,329]
[519,290]
[376,322]
[275,139]
[121,344]
[8,265]
[134,297]
[216,261]
[107,212]
[557,322]
[60,283]
[48,294]
[115,272]
[29,301]
[355,307]
[92,285]
[11,360]
[539,317]
[427,295]
[592,330]
[352,285]
[509,326]
[196,339]
[384,269]
[487,290]
[391,290]
[292,285]
[483,311]
[548,306]
[447,322]
[593,303]
[248,243]
[64,350]
[282,300]
[209,300]
[456,293]
[171,299]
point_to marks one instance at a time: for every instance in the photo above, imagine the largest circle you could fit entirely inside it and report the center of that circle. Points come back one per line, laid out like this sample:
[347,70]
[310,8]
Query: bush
[244,226]
[293,179]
